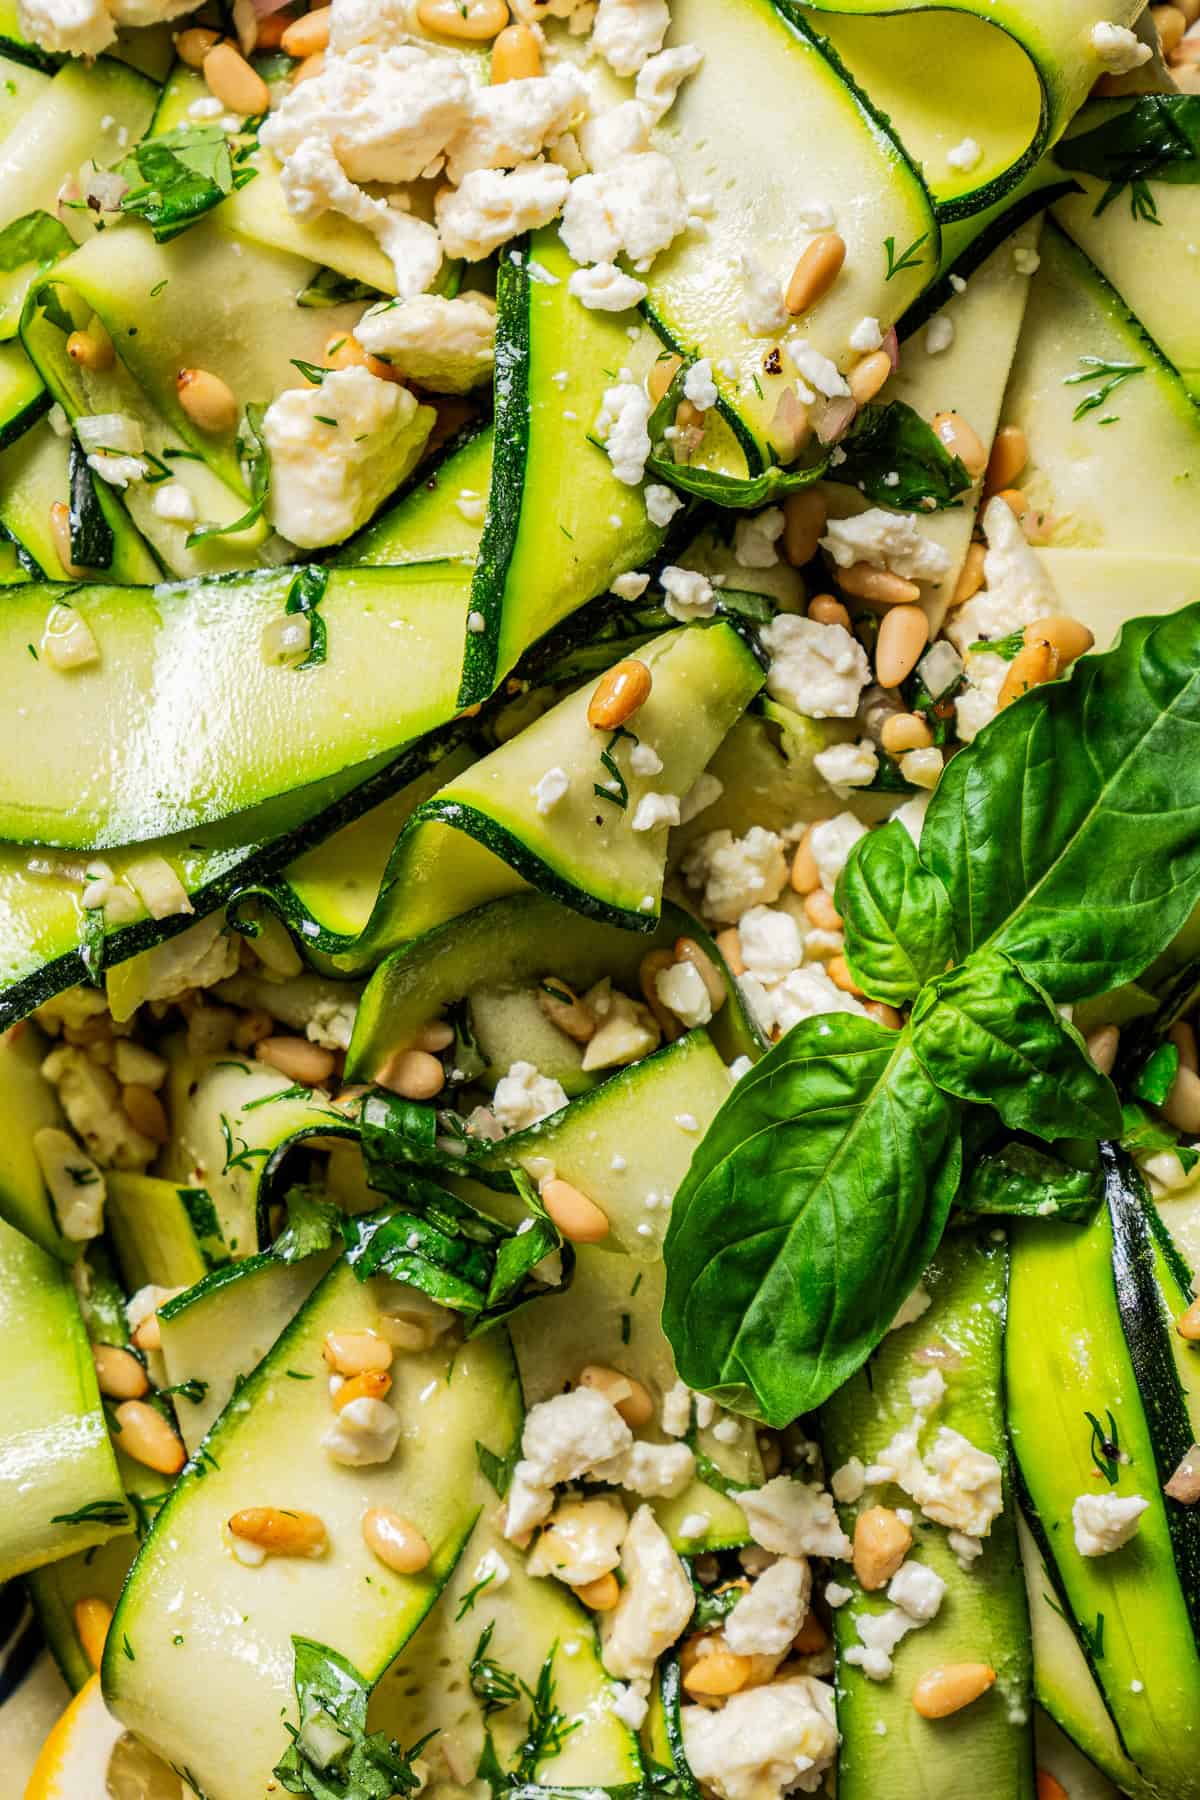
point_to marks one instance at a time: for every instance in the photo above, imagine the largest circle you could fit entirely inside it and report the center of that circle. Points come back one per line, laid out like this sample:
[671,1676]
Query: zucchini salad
[600,899]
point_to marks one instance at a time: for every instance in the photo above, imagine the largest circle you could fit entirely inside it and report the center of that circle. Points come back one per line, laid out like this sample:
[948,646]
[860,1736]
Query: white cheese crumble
[606,288]
[1104,1522]
[550,788]
[661,77]
[1118,48]
[172,501]
[736,873]
[636,206]
[621,424]
[755,538]
[764,1621]
[75,1184]
[867,335]
[763,311]
[681,989]
[699,387]
[770,942]
[493,205]
[627,33]
[965,155]
[524,1097]
[662,503]
[655,1604]
[446,345]
[794,1518]
[581,1542]
[818,670]
[939,335]
[364,1432]
[689,594]
[953,1483]
[817,369]
[655,810]
[886,540]
[633,585]
[846,766]
[765,1741]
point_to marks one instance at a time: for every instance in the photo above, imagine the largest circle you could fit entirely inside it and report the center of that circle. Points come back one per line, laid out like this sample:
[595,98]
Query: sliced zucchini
[440,516]
[57,1587]
[84,115]
[1103,588]
[20,86]
[34,476]
[200,1652]
[888,1749]
[23,396]
[162,1233]
[28,1104]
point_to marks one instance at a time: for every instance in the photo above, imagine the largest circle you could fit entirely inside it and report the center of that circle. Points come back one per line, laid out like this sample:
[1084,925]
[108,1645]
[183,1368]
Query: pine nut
[516,55]
[868,375]
[662,374]
[566,1011]
[304,71]
[627,1394]
[903,635]
[805,874]
[619,694]
[435,1037]
[1102,1047]
[1170,24]
[1190,10]
[688,950]
[471,19]
[60,532]
[721,1672]
[821,912]
[296,1058]
[206,399]
[1016,502]
[868,583]
[805,516]
[1010,453]
[730,945]
[1182,1105]
[270,31]
[688,417]
[119,1374]
[970,578]
[881,1542]
[194,44]
[905,731]
[579,1219]
[235,84]
[811,1637]
[815,273]
[354,1352]
[92,1617]
[1188,1323]
[600,1595]
[883,1014]
[92,349]
[828,611]
[308,35]
[252,1028]
[1048,1787]
[947,1690]
[1183,1037]
[414,1074]
[649,969]
[395,1541]
[145,1112]
[147,1335]
[145,1435]
[1029,668]
[281,1532]
[838,970]
[343,351]
[961,440]
[1069,638]
[372,1384]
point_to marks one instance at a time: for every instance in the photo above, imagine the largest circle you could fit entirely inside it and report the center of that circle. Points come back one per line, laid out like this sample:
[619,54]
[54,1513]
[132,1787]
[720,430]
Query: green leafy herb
[179,176]
[193,1389]
[96,1512]
[305,596]
[313,373]
[907,259]
[494,1687]
[1022,1180]
[313,1224]
[547,1727]
[616,789]
[35,238]
[235,1158]
[256,461]
[899,930]
[1157,1074]
[1105,1447]
[1143,1136]
[1007,647]
[895,458]
[1091,1637]
[332,1755]
[1107,375]
[467,1603]
[1157,138]
[496,1469]
[328,288]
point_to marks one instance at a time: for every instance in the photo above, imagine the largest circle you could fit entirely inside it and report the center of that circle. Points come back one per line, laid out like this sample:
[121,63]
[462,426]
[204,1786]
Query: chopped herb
[907,259]
[495,1469]
[1007,647]
[297,1375]
[158,287]
[616,789]
[32,652]
[96,1512]
[193,1390]
[1109,375]
[332,1698]
[626,1327]
[324,419]
[237,1159]
[472,1594]
[305,596]
[494,1687]
[1106,1447]
[179,176]
[312,372]
[256,461]
[1157,1075]
[297,1091]
[128,1648]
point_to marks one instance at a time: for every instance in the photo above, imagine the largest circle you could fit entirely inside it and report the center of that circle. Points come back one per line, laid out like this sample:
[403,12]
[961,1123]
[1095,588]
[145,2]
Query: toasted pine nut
[194,44]
[296,1058]
[1010,453]
[1048,1786]
[730,945]
[252,1028]
[721,1672]
[92,1617]
[565,1010]
[119,1374]
[868,583]
[881,1542]
[805,516]
[280,1531]
[1069,638]
[662,374]
[970,578]
[579,1219]
[414,1074]
[688,417]
[1183,1037]
[811,1637]
[235,84]
[838,970]
[92,348]
[436,1036]
[1188,1323]
[805,874]
[304,71]
[145,1112]
[961,440]
[146,1436]
[372,1384]
[1182,1105]
[619,693]
[883,1014]
[354,1352]
[1171,26]
[147,1335]
[815,273]
[516,55]
[307,35]
[206,399]
[60,531]
[905,731]
[828,611]
[649,969]
[1015,500]
[343,351]
[395,1541]
[1030,667]
[600,1595]
[947,1690]
[868,375]
[627,1394]
[270,31]
[903,635]
[471,19]
[820,911]
[1102,1047]
[688,950]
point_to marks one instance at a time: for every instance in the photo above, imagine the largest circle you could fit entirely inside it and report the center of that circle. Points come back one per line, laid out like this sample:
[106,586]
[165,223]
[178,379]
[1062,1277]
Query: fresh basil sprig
[899,930]
[1156,138]
[332,1756]
[179,176]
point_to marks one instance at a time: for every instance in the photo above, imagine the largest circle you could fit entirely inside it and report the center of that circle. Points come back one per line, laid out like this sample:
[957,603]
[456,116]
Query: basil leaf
[1142,1135]
[987,1033]
[333,1698]
[899,932]
[1068,835]
[739,492]
[1157,1074]
[810,1211]
[894,456]
[1157,138]
[178,177]
[1023,1181]
[36,237]
[312,1224]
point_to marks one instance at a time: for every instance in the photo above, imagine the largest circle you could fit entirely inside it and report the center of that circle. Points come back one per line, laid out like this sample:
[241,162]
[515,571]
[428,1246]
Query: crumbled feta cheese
[67,27]
[91,1099]
[689,594]
[764,1621]
[364,1432]
[510,122]
[940,667]
[677,1410]
[550,788]
[736,873]
[878,1634]
[655,810]
[581,1542]
[313,182]
[1118,48]
[173,501]
[661,77]
[763,311]
[655,1604]
[635,205]
[846,766]
[655,1471]
[818,670]
[1025,260]
[631,1703]
[918,1590]
[794,1518]
[704,792]
[605,288]
[699,387]
[327,479]
[887,540]
[493,205]
[621,424]
[681,989]
[836,1595]
[627,33]
[770,941]
[979,701]
[524,1096]
[912,815]
[116,433]
[939,335]
[569,1435]
[1017,589]
[954,1483]
[662,503]
[645,760]
[765,1741]
[75,1184]
[491,1568]
[831,841]
[526,1505]
[446,345]
[1104,1522]
[755,538]
[965,155]
[803,994]
[632,586]
[867,335]
[846,1484]
[117,471]
[817,369]
[626,1031]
